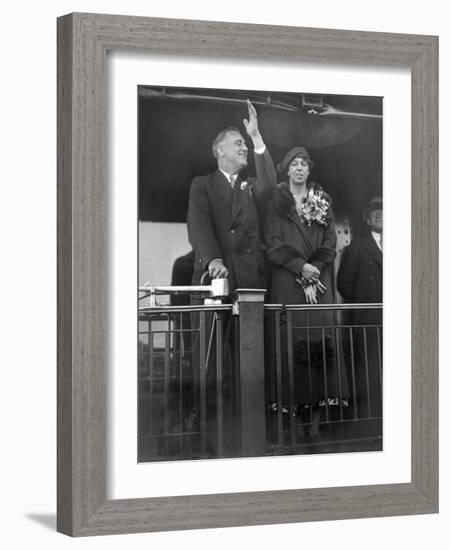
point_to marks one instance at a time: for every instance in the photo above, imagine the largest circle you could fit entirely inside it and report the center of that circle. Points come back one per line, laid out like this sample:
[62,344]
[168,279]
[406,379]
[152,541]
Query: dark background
[178,125]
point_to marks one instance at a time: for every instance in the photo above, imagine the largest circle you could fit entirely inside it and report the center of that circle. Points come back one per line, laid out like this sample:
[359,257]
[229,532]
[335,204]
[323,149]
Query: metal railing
[324,377]
[181,350]
[218,380]
[213,293]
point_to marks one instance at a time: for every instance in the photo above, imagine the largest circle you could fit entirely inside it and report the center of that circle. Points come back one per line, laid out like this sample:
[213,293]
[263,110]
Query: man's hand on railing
[217,270]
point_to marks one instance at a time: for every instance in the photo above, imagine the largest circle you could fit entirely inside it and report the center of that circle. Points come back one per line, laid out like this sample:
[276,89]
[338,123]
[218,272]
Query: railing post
[249,304]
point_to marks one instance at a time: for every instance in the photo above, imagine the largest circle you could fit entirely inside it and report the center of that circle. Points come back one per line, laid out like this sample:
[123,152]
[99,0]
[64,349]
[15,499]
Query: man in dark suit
[222,218]
[223,228]
[360,276]
[360,280]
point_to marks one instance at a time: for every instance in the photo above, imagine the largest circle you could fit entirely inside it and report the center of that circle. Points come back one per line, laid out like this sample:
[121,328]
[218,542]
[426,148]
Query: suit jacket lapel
[373,249]
[221,186]
[240,198]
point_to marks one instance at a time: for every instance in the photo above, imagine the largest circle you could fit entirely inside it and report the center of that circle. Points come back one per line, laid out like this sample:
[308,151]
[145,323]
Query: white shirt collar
[377,238]
[227,175]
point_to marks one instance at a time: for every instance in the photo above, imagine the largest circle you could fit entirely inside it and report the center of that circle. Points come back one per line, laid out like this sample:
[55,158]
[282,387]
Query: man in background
[360,280]
[360,276]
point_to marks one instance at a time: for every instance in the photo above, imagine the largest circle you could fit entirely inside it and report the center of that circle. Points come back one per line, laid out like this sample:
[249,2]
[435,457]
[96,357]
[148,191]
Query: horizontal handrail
[185,309]
[268,307]
[181,289]
[320,307]
[218,289]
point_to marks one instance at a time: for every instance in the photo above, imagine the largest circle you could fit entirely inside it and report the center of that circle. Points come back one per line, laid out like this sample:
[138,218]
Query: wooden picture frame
[83,41]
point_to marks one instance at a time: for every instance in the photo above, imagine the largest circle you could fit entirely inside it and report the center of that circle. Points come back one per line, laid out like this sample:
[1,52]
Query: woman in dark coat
[301,241]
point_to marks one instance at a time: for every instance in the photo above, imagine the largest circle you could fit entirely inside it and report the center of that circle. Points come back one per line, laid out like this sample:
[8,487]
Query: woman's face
[298,171]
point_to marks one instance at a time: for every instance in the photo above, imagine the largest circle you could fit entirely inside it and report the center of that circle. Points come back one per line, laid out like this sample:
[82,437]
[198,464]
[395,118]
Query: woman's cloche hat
[292,154]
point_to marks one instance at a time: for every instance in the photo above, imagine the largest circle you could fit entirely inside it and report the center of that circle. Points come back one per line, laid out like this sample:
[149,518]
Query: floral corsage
[314,208]
[245,185]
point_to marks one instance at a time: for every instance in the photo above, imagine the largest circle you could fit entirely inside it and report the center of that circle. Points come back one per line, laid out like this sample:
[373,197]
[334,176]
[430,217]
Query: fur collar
[284,200]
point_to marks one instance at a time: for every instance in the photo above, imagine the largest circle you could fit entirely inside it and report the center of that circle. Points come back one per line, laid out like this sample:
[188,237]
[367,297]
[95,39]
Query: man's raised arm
[266,177]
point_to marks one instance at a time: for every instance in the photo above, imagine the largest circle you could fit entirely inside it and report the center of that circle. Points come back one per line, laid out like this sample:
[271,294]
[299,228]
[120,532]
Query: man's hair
[221,136]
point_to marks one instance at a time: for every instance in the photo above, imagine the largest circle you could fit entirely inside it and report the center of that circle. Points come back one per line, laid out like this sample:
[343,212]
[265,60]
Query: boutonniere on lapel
[244,186]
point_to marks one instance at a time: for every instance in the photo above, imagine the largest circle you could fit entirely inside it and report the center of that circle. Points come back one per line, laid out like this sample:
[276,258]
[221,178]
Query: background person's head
[230,150]
[373,214]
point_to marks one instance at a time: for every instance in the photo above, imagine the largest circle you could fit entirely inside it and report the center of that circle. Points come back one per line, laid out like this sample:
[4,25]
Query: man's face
[232,152]
[298,171]
[375,219]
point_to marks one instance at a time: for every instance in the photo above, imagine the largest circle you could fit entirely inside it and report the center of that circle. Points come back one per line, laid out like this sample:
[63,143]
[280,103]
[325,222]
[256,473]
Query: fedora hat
[376,203]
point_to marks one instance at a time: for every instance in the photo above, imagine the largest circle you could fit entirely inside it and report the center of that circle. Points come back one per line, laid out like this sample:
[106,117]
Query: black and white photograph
[221,225]
[260,276]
